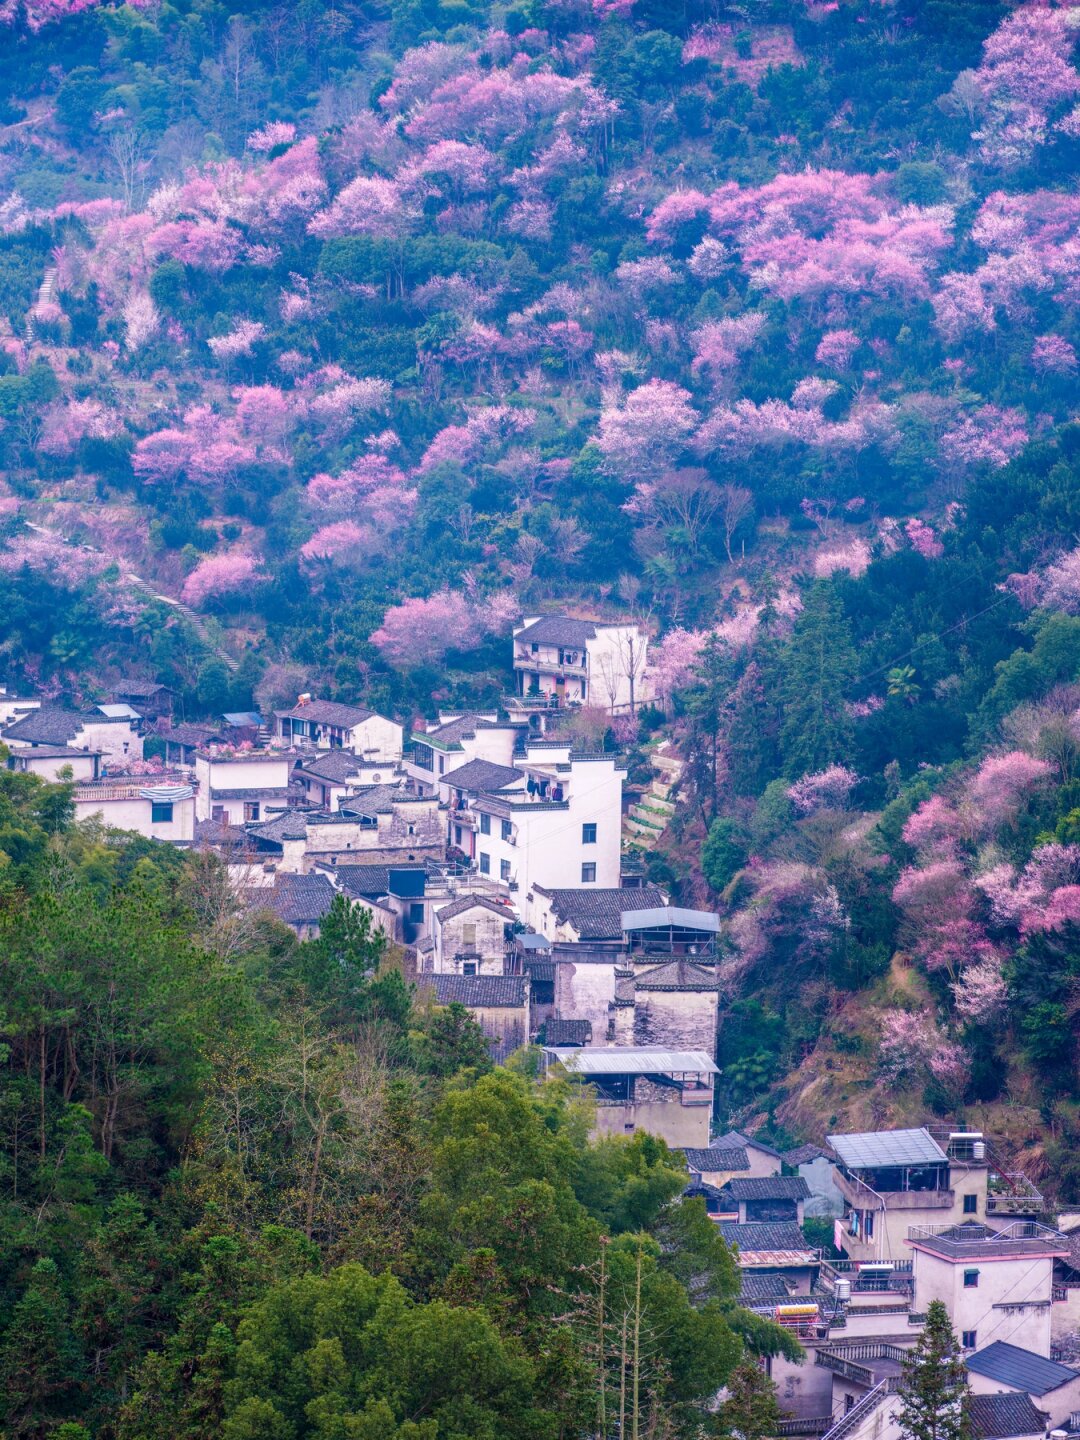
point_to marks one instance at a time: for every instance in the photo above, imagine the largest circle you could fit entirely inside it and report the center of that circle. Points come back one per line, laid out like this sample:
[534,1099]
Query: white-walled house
[551,819]
[237,787]
[115,737]
[582,662]
[51,762]
[15,707]
[329,777]
[158,807]
[1001,1368]
[469,937]
[996,1284]
[455,740]
[328,725]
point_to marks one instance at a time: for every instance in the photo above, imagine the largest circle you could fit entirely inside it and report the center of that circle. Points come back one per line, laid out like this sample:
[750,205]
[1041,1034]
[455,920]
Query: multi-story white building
[581,662]
[55,762]
[160,807]
[239,787]
[551,819]
[455,740]
[331,726]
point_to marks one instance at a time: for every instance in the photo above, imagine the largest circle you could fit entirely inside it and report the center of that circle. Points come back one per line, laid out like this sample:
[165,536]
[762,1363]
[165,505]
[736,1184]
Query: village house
[159,807]
[328,777]
[15,707]
[587,917]
[328,725]
[299,901]
[1001,1368]
[717,1163]
[237,787]
[668,1093]
[469,937]
[53,762]
[551,819]
[498,1003]
[768,1199]
[149,698]
[892,1180]
[382,824]
[181,743]
[581,662]
[114,736]
[817,1167]
[996,1284]
[455,740]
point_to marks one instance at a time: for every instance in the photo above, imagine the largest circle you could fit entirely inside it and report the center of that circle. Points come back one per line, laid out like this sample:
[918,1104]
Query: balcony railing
[549,665]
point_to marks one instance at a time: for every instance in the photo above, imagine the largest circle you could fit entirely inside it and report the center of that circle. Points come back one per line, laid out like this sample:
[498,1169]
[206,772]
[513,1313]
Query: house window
[416,912]
[218,813]
[485,864]
[967,1339]
[971,1204]
[442,764]
[412,829]
[971,1279]
[160,814]
[504,869]
[588,874]
[485,824]
[469,967]
[457,834]
[468,935]
[251,810]
[869,1224]
[507,830]
[588,834]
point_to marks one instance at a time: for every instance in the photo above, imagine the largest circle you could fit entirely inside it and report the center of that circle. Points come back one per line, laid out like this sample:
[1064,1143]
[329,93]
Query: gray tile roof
[1019,1369]
[558,630]
[55,752]
[764,1235]
[567,1032]
[1004,1417]
[678,975]
[713,1159]
[289,825]
[496,992]
[872,1149]
[763,1289]
[331,765]
[470,902]
[375,799]
[481,775]
[49,725]
[299,899]
[142,689]
[738,1137]
[194,736]
[597,914]
[768,1187]
[450,735]
[804,1154]
[539,969]
[328,712]
[367,881]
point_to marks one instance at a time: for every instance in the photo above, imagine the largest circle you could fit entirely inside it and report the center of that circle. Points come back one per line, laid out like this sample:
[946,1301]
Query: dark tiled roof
[283,793]
[558,630]
[55,752]
[450,735]
[597,914]
[470,902]
[328,712]
[568,1032]
[736,1137]
[804,1154]
[49,725]
[539,969]
[768,1187]
[364,880]
[678,975]
[332,765]
[192,735]
[481,775]
[142,689]
[289,825]
[497,992]
[376,799]
[1019,1369]
[1003,1417]
[764,1235]
[762,1289]
[714,1158]
[300,899]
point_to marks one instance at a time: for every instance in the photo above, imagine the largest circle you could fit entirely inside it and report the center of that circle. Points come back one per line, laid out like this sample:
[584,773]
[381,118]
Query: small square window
[160,814]
[971,1204]
[971,1279]
[485,824]
[588,834]
[968,1339]
[251,810]
[485,864]
[469,967]
[588,874]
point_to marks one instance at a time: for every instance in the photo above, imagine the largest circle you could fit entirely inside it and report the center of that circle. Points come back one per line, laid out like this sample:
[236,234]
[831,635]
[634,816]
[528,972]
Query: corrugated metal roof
[882,1148]
[633,1060]
[119,712]
[1020,1369]
[670,915]
[534,942]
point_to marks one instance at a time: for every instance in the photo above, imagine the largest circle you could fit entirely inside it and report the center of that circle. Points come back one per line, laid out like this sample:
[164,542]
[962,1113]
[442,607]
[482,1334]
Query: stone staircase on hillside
[649,817]
[46,294]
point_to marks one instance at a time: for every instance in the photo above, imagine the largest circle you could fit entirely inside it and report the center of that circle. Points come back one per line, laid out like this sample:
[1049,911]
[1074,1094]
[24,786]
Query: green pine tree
[817,669]
[933,1386]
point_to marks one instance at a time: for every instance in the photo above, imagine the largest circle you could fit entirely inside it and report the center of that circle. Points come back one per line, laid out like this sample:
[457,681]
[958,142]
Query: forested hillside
[334,337]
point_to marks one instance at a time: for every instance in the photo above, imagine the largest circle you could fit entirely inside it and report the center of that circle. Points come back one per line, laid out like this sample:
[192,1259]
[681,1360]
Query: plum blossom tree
[672,662]
[828,789]
[219,575]
[141,320]
[1053,355]
[923,539]
[421,631]
[990,437]
[981,992]
[836,348]
[1003,784]
[239,341]
[342,540]
[645,434]
[1026,72]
